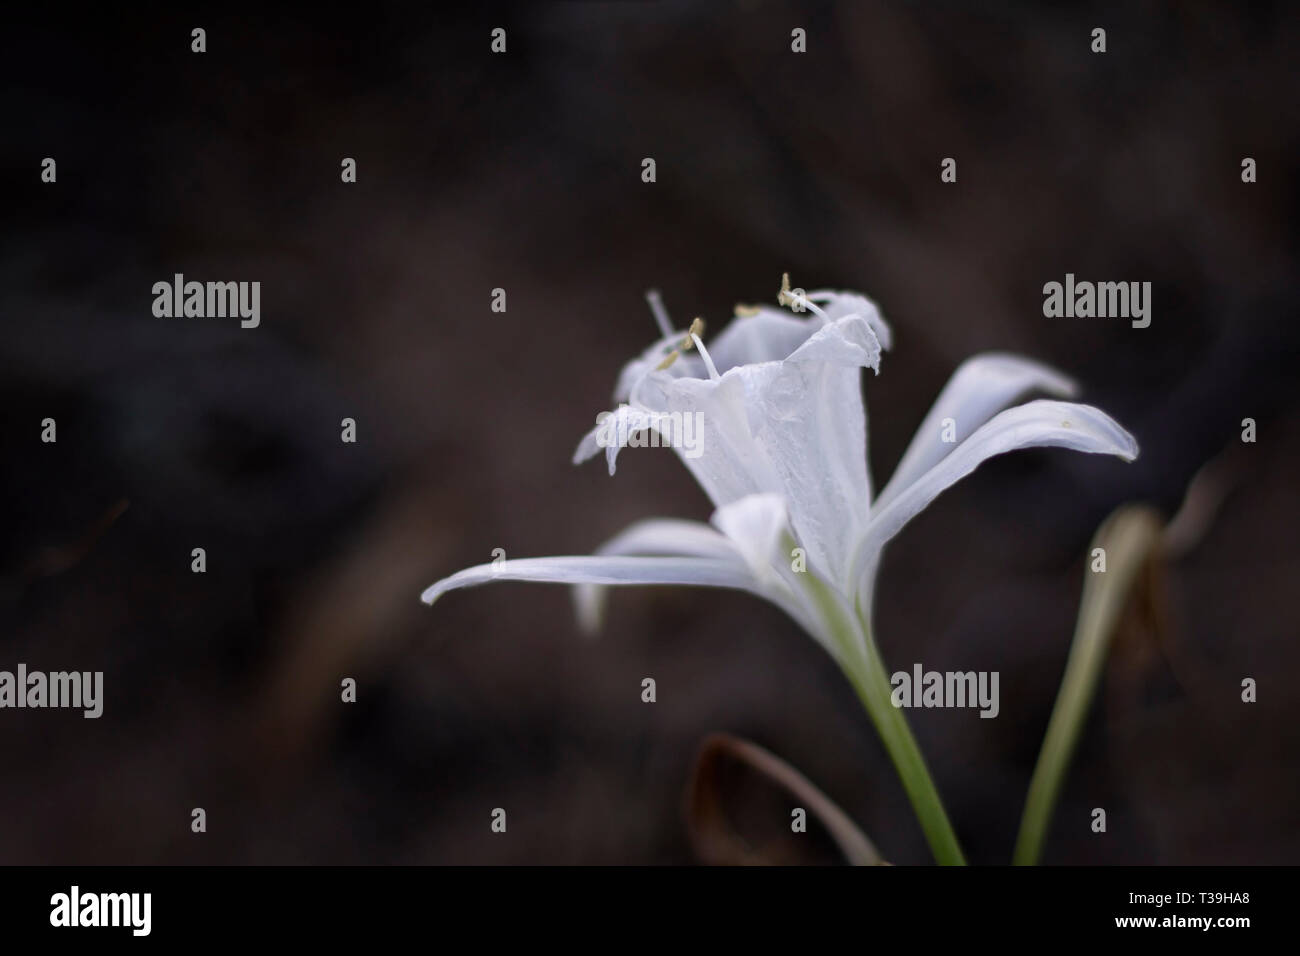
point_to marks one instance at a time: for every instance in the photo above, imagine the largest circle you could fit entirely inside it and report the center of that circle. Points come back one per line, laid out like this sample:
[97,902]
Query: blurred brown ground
[522,171]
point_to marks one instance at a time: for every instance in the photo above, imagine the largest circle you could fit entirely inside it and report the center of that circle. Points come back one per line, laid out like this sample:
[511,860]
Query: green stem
[873,689]
[862,663]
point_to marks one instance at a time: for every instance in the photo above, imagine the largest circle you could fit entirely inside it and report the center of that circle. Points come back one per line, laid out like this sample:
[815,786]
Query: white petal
[728,463]
[670,536]
[769,336]
[807,417]
[848,341]
[612,434]
[654,536]
[839,304]
[588,569]
[755,526]
[980,388]
[1034,424]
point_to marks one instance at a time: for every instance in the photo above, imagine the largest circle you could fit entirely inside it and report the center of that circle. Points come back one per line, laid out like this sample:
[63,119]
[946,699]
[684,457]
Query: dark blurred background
[522,171]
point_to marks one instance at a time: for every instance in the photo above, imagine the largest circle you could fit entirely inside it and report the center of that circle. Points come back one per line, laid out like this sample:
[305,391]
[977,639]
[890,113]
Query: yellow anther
[746,311]
[697,328]
[672,357]
[784,297]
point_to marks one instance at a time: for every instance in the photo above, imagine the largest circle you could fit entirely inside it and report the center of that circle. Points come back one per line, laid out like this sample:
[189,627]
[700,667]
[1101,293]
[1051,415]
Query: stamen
[814,309]
[692,339]
[746,311]
[792,299]
[704,354]
[697,328]
[660,313]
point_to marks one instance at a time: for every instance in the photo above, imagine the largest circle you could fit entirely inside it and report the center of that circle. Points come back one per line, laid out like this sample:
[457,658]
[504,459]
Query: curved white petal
[839,304]
[980,388]
[603,570]
[654,536]
[755,526]
[614,429]
[594,569]
[670,536]
[731,464]
[767,336]
[1034,424]
[807,416]
[848,341]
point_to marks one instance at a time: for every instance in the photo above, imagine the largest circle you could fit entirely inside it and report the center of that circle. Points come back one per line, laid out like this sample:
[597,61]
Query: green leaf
[1130,539]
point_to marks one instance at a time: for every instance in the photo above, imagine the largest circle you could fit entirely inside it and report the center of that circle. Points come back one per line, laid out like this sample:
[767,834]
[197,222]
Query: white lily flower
[783,460]
[784,457]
